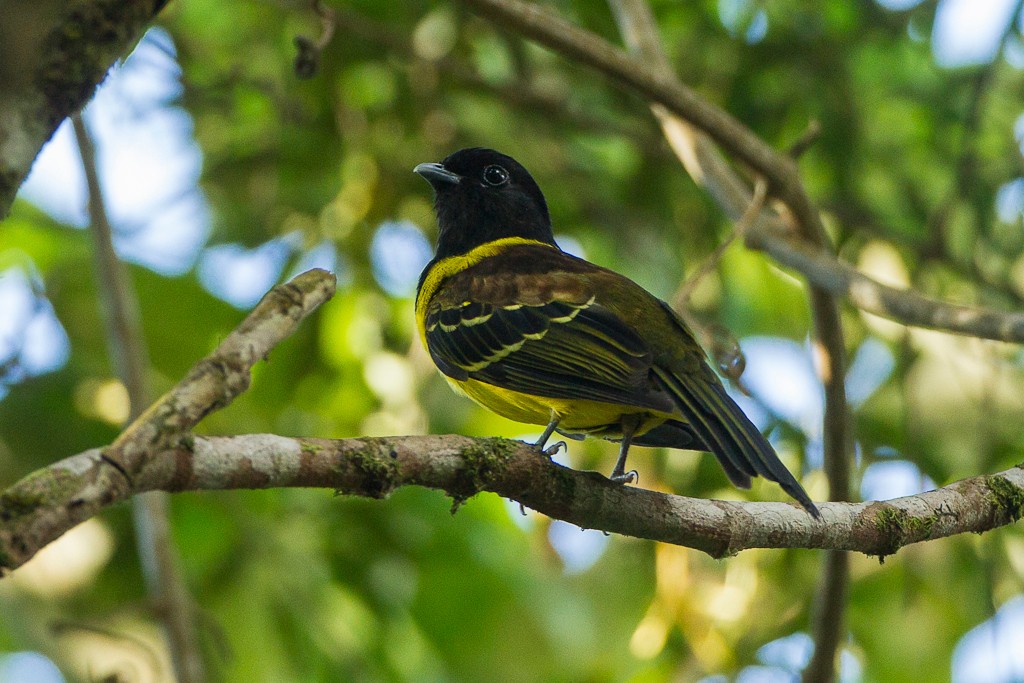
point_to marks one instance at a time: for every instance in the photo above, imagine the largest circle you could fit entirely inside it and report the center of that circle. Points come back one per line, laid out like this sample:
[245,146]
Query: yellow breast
[576,416]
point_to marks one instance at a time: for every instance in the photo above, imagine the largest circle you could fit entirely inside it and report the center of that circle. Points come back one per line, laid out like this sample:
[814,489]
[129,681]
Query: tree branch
[49,502]
[713,260]
[217,379]
[28,518]
[56,73]
[902,305]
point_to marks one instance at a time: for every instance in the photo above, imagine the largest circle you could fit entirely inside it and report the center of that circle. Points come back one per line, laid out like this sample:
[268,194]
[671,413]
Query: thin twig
[307,61]
[117,298]
[686,290]
[806,139]
[828,624]
[158,557]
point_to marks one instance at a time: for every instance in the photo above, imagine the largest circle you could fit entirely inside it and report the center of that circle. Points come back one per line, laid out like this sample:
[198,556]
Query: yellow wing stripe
[445,268]
[504,350]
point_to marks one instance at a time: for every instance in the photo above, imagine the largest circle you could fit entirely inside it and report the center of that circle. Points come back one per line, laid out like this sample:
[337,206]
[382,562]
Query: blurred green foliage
[305,586]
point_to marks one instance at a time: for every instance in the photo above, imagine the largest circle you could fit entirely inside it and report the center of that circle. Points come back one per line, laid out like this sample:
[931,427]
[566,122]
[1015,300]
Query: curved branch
[216,380]
[46,504]
[584,47]
[770,234]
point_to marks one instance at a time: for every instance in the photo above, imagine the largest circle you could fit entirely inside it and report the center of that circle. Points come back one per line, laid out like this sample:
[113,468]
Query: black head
[481,195]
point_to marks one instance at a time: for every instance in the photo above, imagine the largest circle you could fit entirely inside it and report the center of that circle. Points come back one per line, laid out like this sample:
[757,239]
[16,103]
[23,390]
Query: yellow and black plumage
[542,337]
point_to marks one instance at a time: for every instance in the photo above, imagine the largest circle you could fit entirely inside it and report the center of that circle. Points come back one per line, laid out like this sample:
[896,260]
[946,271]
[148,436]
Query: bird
[543,337]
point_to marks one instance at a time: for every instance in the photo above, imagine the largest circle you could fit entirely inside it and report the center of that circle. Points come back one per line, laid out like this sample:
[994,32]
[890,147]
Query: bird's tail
[715,421]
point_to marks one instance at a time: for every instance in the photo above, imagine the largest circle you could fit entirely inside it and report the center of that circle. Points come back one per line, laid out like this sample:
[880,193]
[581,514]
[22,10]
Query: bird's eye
[495,175]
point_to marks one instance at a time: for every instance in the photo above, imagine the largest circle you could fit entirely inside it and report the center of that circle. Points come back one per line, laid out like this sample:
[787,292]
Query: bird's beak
[437,175]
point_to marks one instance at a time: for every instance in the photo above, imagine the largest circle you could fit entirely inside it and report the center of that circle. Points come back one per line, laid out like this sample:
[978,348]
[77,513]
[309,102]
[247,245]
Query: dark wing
[537,337]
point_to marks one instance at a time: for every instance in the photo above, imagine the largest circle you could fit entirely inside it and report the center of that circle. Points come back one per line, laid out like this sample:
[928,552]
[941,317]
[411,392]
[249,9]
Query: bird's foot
[548,431]
[553,449]
[625,477]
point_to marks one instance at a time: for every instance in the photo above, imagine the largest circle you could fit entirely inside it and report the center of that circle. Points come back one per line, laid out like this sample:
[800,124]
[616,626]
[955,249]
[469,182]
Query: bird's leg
[548,431]
[619,474]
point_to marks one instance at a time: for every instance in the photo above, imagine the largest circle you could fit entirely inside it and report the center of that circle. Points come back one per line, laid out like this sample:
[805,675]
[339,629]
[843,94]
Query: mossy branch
[44,505]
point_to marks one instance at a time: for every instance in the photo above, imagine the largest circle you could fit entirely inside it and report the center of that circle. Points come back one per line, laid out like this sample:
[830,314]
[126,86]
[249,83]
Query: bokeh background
[224,173]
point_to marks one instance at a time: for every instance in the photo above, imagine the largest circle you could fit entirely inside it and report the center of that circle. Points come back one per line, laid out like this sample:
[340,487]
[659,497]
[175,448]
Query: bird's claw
[553,449]
[625,478]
